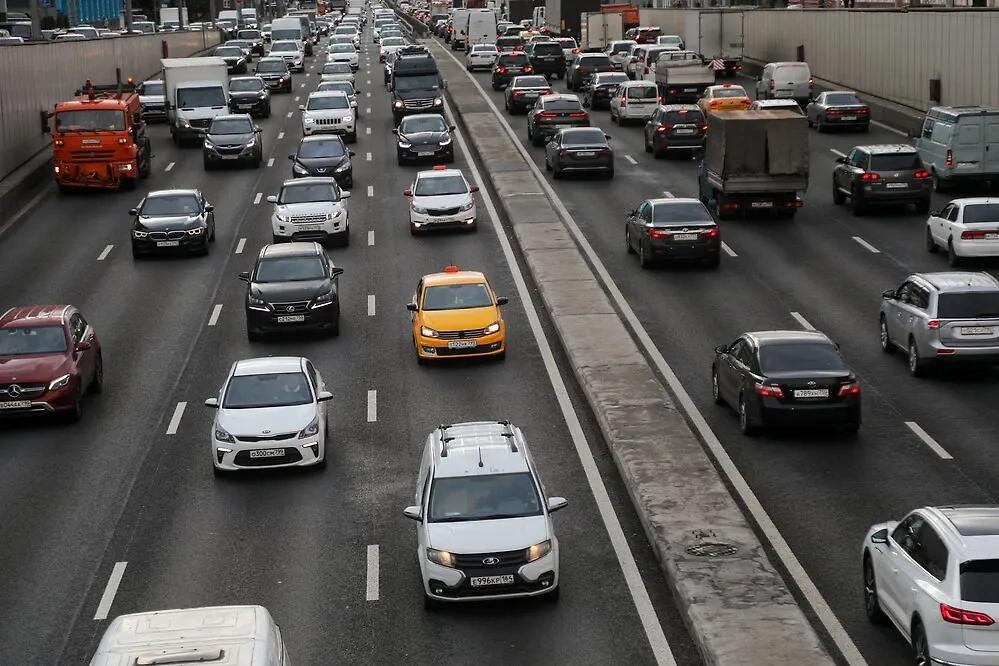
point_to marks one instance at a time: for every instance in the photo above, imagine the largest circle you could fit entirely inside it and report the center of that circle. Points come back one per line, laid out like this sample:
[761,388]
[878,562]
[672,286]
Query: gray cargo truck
[754,161]
[682,76]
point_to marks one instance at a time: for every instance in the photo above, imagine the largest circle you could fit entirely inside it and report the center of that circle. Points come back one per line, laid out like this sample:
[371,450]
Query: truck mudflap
[95,175]
[726,68]
[782,204]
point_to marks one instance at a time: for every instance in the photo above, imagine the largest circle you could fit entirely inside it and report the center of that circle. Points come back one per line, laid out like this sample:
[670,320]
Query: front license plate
[230,157]
[167,243]
[811,393]
[896,186]
[15,404]
[684,237]
[244,106]
[685,131]
[849,117]
[762,204]
[267,453]
[486,581]
[461,344]
[425,153]
[586,153]
[976,330]
[309,227]
[290,319]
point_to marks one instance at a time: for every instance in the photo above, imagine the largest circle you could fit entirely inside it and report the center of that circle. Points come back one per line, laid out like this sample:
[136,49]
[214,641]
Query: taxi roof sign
[440,167]
[451,269]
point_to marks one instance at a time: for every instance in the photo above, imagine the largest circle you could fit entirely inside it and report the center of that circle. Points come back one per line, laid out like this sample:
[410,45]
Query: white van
[538,17]
[786,80]
[217,635]
[960,144]
[459,29]
[288,28]
[481,27]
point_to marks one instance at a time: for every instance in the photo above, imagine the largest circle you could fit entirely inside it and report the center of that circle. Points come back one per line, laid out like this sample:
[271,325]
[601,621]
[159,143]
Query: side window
[860,159]
[746,356]
[946,211]
[75,329]
[737,348]
[313,375]
[931,553]
[645,212]
[920,298]
[928,128]
[424,497]
[941,133]
[953,213]
[82,324]
[905,293]
[854,157]
[906,533]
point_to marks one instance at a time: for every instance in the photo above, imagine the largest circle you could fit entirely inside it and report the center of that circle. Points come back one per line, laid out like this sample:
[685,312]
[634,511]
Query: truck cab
[416,84]
[197,90]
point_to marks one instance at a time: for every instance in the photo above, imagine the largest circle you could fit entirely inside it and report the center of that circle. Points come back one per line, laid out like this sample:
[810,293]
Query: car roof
[33,315]
[461,277]
[314,138]
[763,338]
[886,148]
[236,78]
[424,116]
[971,520]
[679,107]
[439,173]
[971,201]
[959,281]
[775,102]
[478,448]
[312,180]
[643,84]
[840,92]
[295,249]
[233,116]
[672,201]
[168,193]
[268,365]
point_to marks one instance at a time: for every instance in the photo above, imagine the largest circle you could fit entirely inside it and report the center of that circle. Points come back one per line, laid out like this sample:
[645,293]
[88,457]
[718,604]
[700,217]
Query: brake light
[575,51]
[863,112]
[656,233]
[834,112]
[959,616]
[670,92]
[624,100]
[853,388]
[500,70]
[527,69]
[563,153]
[702,127]
[520,47]
[578,114]
[811,83]
[713,232]
[978,234]
[659,100]
[868,176]
[451,269]
[771,84]
[922,174]
[662,129]
[768,391]
[950,157]
[517,93]
[546,114]
[933,323]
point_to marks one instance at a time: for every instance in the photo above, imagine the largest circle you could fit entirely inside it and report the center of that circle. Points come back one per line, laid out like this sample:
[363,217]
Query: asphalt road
[828,268]
[133,482]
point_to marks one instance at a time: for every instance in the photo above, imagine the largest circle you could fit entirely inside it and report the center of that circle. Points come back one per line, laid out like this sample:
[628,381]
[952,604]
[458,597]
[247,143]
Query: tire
[627,240]
[715,389]
[429,603]
[837,196]
[267,112]
[335,329]
[556,173]
[887,346]
[97,383]
[931,245]
[548,164]
[917,368]
[871,606]
[252,336]
[939,184]
[745,427]
[819,127]
[74,415]
[952,259]
[609,174]
[257,162]
[920,646]
[206,248]
[552,597]
[207,165]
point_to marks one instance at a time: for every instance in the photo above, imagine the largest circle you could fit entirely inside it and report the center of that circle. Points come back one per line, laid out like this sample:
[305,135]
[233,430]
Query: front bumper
[342,129]
[487,345]
[154,112]
[432,152]
[897,196]
[49,402]
[186,244]
[97,175]
[320,232]
[312,320]
[245,156]
[529,580]
[295,452]
[250,106]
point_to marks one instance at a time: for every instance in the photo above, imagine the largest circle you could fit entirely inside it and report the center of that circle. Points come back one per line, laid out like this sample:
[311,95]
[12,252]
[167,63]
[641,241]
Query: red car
[49,356]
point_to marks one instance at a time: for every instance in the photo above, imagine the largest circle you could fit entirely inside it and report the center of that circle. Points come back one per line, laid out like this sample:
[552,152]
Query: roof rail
[510,435]
[444,438]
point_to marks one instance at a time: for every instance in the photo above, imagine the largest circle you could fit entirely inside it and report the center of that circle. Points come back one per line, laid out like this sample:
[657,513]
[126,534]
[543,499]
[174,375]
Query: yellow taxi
[455,314]
[726,97]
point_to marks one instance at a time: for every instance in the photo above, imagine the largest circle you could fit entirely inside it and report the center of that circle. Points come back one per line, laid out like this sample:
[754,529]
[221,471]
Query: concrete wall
[33,77]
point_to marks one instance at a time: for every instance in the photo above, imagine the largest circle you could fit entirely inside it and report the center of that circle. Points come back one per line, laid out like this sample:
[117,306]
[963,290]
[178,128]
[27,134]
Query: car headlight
[341,169]
[405,144]
[446,141]
[184,123]
[257,303]
[222,435]
[419,210]
[539,550]
[307,120]
[397,104]
[438,101]
[286,76]
[209,145]
[428,332]
[441,557]
[196,231]
[297,168]
[310,430]
[262,94]
[251,143]
[324,299]
[139,234]
[59,382]
[468,206]
[493,327]
[348,119]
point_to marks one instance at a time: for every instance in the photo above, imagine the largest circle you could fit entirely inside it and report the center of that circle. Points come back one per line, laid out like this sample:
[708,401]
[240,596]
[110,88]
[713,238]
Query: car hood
[278,420]
[460,320]
[232,58]
[488,536]
[316,163]
[288,292]
[30,369]
[246,94]
[327,113]
[443,201]
[423,138]
[167,223]
[310,208]
[229,139]
[341,57]
[336,77]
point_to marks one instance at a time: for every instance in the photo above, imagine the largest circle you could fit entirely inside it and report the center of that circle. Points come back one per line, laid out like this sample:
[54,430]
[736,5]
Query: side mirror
[444,84]
[245,276]
[272,198]
[345,194]
[473,188]
[607,136]
[721,349]
[502,300]
[556,504]
[357,92]
[395,130]
[291,157]
[133,211]
[407,193]
[389,87]
[411,307]
[301,107]
[212,402]
[209,208]
[82,345]
[336,271]
[881,536]
[413,513]
[841,160]
[888,294]
[351,153]
[451,128]
[934,213]
[257,130]
[324,396]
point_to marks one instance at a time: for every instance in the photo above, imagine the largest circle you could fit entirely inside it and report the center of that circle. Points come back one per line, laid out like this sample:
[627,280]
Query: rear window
[895,162]
[800,357]
[980,581]
[548,48]
[595,61]
[562,105]
[968,305]
[734,91]
[981,214]
[680,212]
[842,98]
[621,47]
[642,92]
[567,42]
[610,79]
[685,117]
[513,59]
[530,82]
[508,41]
[584,137]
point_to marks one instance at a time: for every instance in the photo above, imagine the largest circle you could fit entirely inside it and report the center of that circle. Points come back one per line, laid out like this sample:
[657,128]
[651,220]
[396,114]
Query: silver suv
[942,317]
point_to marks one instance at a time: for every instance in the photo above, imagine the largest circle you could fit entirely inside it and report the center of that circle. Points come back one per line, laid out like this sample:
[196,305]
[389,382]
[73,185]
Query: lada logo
[491,561]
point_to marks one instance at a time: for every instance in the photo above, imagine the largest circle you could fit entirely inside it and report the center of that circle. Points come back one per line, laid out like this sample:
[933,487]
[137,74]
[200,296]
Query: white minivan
[960,144]
[481,27]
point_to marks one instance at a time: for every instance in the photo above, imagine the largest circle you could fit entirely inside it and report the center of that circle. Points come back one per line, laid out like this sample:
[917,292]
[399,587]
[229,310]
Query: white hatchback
[635,101]
[965,228]
[331,113]
[344,53]
[482,56]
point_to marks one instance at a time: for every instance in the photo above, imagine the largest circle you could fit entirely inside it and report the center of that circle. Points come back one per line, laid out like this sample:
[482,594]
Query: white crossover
[344,53]
[331,113]
[441,198]
[965,228]
[312,209]
[292,51]
[482,56]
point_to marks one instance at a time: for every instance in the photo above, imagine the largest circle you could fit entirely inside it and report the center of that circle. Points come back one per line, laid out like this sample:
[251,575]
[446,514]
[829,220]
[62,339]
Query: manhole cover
[712,550]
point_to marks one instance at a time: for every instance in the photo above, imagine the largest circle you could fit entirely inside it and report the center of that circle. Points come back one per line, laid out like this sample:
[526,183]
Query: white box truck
[459,27]
[717,35]
[598,29]
[197,90]
[170,17]
[481,27]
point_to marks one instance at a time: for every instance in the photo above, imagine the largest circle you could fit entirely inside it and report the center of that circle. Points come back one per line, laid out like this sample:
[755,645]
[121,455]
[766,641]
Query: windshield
[734,91]
[231,126]
[286,34]
[800,357]
[845,99]
[325,148]
[621,47]
[272,67]
[93,120]
[530,82]
[413,125]
[456,297]
[896,162]
[416,82]
[153,89]
[193,98]
[337,68]
[285,47]
[393,41]
[308,193]
[981,214]
[283,389]
[979,581]
[248,34]
[171,205]
[330,102]
[584,137]
[969,305]
[27,340]
[486,497]
[340,48]
[245,85]
[566,43]
[440,186]
[229,52]
[290,269]
[508,41]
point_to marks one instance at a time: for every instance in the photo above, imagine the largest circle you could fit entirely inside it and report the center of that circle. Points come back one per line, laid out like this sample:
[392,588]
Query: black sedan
[838,108]
[666,229]
[509,65]
[597,94]
[424,136]
[232,139]
[172,221]
[323,155]
[249,94]
[524,91]
[786,378]
[235,59]
[579,149]
[553,112]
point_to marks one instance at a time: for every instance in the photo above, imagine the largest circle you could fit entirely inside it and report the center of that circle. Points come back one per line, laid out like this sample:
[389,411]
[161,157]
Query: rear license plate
[290,319]
[425,153]
[487,581]
[586,153]
[762,204]
[849,117]
[784,93]
[461,344]
[811,393]
[560,127]
[976,330]
[690,90]
[896,186]
[685,131]
[15,404]
[167,243]
[684,237]
[991,236]
[267,453]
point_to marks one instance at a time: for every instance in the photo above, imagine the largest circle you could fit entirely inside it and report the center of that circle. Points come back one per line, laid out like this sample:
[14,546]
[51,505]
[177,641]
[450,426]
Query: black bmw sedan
[325,156]
[172,221]
[425,136]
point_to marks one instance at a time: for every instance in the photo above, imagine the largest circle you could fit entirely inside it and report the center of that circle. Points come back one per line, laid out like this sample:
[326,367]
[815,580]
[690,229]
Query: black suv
[586,65]
[509,65]
[323,156]
[553,112]
[293,286]
[675,127]
[275,73]
[602,88]
[882,174]
[232,140]
[249,94]
[547,58]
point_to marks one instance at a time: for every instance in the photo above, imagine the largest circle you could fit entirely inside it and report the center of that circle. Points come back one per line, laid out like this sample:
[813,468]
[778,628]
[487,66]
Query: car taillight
[811,83]
[950,157]
[922,174]
[546,114]
[517,93]
[659,99]
[500,70]
[527,69]
[578,114]
[933,323]
[713,232]
[702,127]
[656,233]
[977,234]
[662,129]
[575,51]
[834,112]
[519,48]
[624,100]
[863,112]
[563,153]
[853,388]
[767,391]
[771,84]
[868,176]
[959,616]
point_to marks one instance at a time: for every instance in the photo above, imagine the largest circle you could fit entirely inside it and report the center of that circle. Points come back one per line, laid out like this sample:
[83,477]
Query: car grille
[307,219]
[297,306]
[442,211]
[166,235]
[230,149]
[202,123]
[265,438]
[154,108]
[418,103]
[92,154]
[24,391]
[458,335]
[291,455]
[474,563]
[328,121]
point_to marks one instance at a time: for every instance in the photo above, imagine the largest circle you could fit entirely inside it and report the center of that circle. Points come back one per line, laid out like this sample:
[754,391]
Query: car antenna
[480,457]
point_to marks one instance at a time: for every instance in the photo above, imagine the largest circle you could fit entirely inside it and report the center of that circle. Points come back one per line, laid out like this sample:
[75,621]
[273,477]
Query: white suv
[271,413]
[345,53]
[935,576]
[485,528]
[310,209]
[329,112]
[292,51]
[441,198]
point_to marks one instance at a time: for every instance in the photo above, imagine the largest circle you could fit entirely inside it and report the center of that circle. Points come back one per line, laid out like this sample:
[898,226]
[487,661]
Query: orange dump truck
[628,12]
[99,138]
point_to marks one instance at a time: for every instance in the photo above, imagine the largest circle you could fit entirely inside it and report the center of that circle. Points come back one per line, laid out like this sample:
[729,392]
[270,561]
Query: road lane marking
[928,441]
[729,251]
[372,406]
[867,246]
[804,322]
[368,82]
[367,94]
[240,245]
[104,255]
[290,113]
[371,190]
[368,157]
[169,166]
[890,129]
[367,130]
[837,153]
[371,237]
[111,589]
[371,305]
[280,135]
[367,111]
[372,591]
[668,195]
[216,311]
[631,159]
[297,98]
[301,86]
[178,414]
[256,199]
[270,162]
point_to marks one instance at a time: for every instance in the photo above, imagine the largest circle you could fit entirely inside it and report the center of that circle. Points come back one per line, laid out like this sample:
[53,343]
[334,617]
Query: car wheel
[952,257]
[920,646]
[871,606]
[552,597]
[931,245]
[857,203]
[207,165]
[419,359]
[556,172]
[206,247]
[76,413]
[745,426]
[886,343]
[97,383]
[837,196]
[715,389]
[548,164]
[819,127]
[917,367]
[609,174]
[252,336]
[627,240]
[267,111]
[643,261]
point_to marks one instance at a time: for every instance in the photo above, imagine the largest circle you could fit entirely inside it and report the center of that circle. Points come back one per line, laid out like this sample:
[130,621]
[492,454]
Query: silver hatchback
[942,317]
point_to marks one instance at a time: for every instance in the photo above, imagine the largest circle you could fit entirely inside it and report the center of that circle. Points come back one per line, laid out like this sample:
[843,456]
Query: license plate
[230,157]
[267,453]
[15,404]
[976,330]
[308,227]
[684,237]
[586,153]
[784,93]
[461,344]
[811,393]
[762,204]
[685,131]
[896,186]
[290,319]
[690,90]
[561,127]
[167,243]
[486,581]
[849,117]
[425,153]
[531,94]
[244,106]
[991,236]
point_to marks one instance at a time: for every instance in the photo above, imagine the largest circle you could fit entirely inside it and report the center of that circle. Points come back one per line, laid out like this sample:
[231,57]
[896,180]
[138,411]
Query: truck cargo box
[757,144]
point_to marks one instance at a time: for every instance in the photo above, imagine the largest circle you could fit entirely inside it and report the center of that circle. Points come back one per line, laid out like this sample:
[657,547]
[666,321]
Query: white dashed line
[367,94]
[256,199]
[367,111]
[216,311]
[804,322]
[371,305]
[867,246]
[297,98]
[104,606]
[367,130]
[631,159]
[371,190]
[890,129]
[240,245]
[372,406]
[290,113]
[368,82]
[372,591]
[727,250]
[368,157]
[371,238]
[303,85]
[178,414]
[104,255]
[280,135]
[668,195]
[270,162]
[169,166]
[837,153]
[928,441]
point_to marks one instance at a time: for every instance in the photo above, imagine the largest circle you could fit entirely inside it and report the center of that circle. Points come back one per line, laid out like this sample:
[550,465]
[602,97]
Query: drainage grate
[712,550]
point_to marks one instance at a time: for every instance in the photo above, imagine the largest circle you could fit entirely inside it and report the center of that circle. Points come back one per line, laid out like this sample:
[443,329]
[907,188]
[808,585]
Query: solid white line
[367,130]
[631,159]
[372,406]
[240,245]
[280,135]
[216,311]
[104,607]
[727,250]
[632,576]
[804,322]
[668,195]
[256,199]
[928,441]
[290,113]
[104,255]
[867,246]
[371,305]
[890,129]
[837,153]
[752,503]
[169,166]
[371,190]
[371,237]
[270,162]
[368,157]
[372,591]
[178,414]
